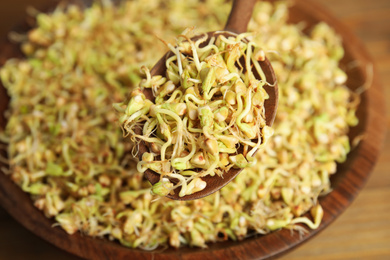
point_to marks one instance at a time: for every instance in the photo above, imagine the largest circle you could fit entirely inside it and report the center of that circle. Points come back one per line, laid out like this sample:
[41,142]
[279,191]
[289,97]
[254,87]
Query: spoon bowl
[237,23]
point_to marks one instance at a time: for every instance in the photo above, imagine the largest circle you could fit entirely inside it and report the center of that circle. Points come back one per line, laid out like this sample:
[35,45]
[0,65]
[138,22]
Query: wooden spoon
[237,23]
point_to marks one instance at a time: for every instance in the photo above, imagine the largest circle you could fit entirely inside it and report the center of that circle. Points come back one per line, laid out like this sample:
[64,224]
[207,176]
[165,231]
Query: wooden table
[362,231]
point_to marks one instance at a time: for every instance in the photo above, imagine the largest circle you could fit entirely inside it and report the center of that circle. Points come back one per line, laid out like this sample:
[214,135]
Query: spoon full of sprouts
[199,116]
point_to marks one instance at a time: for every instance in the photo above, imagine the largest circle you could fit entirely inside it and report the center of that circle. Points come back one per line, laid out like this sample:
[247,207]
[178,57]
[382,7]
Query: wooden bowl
[346,183]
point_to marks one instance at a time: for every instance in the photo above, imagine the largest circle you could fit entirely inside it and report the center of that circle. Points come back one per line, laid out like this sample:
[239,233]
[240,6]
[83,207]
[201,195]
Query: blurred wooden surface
[361,232]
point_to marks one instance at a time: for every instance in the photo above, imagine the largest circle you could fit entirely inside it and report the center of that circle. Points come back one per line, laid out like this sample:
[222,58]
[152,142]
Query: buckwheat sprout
[198,101]
[148,79]
[202,39]
[170,62]
[247,108]
[260,71]
[175,95]
[232,41]
[185,159]
[195,52]
[149,127]
[147,139]
[205,51]
[177,54]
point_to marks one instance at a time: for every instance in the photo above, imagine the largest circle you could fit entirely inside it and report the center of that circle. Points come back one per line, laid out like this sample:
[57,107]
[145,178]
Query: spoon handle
[240,15]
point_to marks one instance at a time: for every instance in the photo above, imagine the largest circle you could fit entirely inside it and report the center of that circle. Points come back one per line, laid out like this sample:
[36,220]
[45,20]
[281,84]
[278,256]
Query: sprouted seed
[65,149]
[207,105]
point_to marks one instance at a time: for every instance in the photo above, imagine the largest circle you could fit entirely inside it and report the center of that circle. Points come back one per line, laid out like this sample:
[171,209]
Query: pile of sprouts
[206,106]
[65,147]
